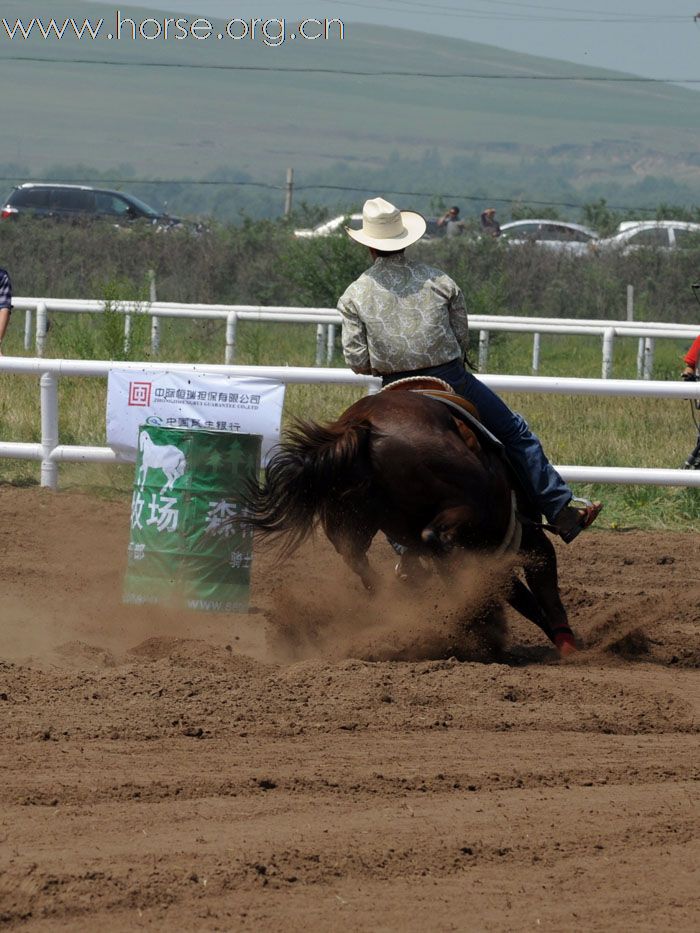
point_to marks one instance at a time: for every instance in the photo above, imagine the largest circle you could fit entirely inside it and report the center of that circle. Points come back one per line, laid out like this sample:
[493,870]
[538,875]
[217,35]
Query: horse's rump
[396,462]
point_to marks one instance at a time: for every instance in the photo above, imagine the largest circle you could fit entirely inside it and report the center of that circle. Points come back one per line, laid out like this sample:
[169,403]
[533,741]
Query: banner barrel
[185,550]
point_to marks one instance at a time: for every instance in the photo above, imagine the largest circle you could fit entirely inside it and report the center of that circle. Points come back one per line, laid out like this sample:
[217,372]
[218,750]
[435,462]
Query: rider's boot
[572,519]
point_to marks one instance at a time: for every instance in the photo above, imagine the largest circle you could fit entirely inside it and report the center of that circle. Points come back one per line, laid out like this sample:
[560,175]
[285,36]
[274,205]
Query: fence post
[155,320]
[536,342]
[231,326]
[49,429]
[630,302]
[127,333]
[330,344]
[155,335]
[320,343]
[28,329]
[483,350]
[41,321]
[648,357]
[640,358]
[608,347]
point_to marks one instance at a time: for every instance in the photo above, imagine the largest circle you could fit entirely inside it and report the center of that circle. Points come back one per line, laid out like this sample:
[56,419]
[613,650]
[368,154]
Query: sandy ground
[323,763]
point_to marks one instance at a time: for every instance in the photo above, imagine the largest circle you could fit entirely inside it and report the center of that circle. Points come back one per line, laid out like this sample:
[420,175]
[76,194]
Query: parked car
[354,221]
[667,234]
[553,234]
[80,202]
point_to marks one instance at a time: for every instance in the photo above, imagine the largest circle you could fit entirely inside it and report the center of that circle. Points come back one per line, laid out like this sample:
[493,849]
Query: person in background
[690,374]
[489,224]
[452,223]
[5,304]
[691,361]
[404,318]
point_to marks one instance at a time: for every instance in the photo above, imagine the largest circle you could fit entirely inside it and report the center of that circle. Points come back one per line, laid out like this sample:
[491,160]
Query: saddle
[463,411]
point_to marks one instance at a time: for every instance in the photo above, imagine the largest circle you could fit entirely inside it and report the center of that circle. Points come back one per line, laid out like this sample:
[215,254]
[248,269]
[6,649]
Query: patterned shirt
[402,315]
[5,290]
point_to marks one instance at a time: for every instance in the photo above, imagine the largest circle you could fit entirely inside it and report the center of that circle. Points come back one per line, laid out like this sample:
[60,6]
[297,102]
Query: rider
[404,318]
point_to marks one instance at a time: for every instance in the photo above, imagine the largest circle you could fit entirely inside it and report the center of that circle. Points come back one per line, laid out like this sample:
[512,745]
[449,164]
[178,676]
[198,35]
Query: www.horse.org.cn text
[271,32]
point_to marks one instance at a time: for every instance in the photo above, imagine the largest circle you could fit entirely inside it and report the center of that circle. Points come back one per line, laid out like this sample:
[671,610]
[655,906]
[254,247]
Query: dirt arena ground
[323,763]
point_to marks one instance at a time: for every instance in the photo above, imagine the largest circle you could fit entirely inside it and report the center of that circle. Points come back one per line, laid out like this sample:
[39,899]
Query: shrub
[261,263]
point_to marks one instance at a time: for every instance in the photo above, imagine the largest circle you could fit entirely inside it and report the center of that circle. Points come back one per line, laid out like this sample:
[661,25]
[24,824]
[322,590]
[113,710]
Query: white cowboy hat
[386,228]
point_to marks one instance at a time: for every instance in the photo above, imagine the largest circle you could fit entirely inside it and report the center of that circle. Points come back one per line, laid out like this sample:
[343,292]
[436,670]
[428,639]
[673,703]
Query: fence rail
[327,320]
[50,452]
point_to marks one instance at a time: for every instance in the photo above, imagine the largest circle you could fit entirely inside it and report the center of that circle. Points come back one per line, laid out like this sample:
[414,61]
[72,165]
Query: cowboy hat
[386,228]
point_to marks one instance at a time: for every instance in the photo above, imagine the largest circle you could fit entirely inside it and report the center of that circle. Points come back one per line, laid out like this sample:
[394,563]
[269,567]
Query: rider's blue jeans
[545,486]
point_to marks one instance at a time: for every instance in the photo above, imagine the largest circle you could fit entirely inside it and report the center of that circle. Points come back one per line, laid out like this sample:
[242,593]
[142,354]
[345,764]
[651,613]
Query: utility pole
[289,189]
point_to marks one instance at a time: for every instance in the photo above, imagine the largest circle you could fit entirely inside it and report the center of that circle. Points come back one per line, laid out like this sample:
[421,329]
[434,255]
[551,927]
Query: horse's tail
[314,467]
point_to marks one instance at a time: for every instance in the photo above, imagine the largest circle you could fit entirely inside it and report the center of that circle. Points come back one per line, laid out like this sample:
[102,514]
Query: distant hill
[195,121]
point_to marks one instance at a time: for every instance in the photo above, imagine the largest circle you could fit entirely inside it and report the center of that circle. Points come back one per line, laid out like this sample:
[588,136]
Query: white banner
[238,404]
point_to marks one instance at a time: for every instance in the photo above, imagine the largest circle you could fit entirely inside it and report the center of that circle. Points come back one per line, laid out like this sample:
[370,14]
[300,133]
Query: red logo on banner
[140,394]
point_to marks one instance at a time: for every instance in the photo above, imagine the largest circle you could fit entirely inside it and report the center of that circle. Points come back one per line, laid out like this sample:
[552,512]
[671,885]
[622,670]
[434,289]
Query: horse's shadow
[528,655]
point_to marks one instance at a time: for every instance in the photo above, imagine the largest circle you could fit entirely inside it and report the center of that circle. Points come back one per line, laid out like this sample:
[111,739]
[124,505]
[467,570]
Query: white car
[553,234]
[354,221]
[329,227]
[667,234]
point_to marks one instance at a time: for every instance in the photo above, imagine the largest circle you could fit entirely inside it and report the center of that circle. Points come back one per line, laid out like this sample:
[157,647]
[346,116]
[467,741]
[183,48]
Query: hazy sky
[652,38]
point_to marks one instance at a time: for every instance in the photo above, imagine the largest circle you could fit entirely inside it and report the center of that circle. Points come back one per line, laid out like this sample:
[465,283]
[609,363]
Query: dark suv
[78,202]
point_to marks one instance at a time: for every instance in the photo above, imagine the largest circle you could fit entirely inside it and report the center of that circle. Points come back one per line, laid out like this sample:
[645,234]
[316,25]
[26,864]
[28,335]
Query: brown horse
[407,465]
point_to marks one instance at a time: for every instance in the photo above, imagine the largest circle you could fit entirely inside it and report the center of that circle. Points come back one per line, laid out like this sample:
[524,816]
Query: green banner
[184,551]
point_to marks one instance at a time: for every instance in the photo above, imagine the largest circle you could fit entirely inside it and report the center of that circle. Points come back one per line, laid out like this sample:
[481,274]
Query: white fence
[327,319]
[51,452]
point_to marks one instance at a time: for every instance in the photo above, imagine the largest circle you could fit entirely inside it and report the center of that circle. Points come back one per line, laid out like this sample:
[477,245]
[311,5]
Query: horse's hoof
[400,573]
[411,571]
[566,645]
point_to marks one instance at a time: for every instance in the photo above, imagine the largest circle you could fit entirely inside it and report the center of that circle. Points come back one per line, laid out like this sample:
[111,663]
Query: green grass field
[574,430]
[191,121]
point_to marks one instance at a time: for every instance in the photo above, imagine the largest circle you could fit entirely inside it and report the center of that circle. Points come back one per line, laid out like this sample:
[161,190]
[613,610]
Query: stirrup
[579,518]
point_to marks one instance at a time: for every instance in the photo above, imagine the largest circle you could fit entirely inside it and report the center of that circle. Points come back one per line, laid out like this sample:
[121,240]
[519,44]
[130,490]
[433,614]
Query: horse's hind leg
[352,545]
[356,558]
[523,601]
[542,578]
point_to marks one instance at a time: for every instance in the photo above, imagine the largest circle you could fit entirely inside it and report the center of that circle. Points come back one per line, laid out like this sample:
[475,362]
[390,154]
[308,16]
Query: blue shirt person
[5,303]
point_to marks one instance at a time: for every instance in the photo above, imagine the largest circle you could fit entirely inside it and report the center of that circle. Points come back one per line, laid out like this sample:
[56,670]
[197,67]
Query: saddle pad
[435,388]
[442,391]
